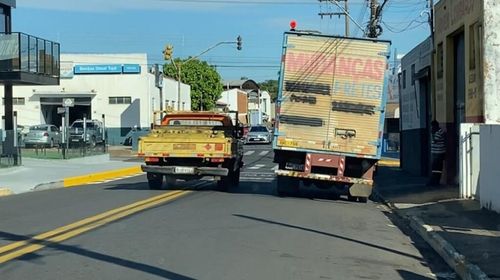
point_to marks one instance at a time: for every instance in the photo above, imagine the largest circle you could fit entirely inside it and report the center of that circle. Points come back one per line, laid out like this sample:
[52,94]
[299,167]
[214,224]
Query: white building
[116,86]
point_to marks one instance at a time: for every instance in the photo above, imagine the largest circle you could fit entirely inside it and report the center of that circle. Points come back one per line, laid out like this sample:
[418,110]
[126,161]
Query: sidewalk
[467,237]
[36,174]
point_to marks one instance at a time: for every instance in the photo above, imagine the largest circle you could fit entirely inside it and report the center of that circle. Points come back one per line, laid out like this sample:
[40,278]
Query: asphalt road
[247,233]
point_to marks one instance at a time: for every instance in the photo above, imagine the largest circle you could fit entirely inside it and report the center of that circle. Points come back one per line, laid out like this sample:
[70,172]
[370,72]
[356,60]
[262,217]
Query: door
[459,94]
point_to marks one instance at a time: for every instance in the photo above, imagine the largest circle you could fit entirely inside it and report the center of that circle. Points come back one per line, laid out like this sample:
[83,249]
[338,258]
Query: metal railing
[20,52]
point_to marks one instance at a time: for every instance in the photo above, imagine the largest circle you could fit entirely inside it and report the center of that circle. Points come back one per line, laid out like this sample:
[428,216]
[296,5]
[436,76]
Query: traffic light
[167,52]
[238,43]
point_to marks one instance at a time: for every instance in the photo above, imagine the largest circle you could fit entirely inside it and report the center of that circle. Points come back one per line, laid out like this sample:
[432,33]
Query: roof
[11,3]
[241,84]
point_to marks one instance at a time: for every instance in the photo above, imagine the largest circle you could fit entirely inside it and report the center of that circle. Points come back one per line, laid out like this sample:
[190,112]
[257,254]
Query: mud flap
[360,190]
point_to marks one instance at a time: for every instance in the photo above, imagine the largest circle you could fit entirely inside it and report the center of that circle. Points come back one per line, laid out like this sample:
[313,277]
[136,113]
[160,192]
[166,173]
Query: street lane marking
[249,153]
[257,166]
[82,226]
[263,153]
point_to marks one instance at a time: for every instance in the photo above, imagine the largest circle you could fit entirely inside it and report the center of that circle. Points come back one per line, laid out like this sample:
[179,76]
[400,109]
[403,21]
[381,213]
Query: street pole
[179,87]
[178,67]
[346,5]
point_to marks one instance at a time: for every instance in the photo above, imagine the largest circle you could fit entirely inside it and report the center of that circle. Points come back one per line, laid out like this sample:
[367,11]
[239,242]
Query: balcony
[28,60]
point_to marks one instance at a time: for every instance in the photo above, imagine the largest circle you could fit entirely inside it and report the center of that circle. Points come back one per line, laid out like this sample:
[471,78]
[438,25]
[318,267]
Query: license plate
[184,170]
[294,166]
[184,146]
[289,143]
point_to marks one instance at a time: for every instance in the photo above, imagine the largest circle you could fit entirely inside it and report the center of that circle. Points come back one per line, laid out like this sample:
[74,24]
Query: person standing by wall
[438,151]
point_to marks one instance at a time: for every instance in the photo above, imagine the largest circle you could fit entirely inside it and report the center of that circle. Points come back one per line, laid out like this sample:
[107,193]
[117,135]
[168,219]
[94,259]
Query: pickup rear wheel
[155,181]
[232,179]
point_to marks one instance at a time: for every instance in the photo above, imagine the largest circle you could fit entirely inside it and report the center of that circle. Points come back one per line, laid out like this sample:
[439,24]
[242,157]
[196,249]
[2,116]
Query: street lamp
[167,54]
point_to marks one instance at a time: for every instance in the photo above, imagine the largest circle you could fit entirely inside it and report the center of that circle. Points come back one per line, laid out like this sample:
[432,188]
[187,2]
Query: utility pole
[431,19]
[346,7]
[344,13]
[372,25]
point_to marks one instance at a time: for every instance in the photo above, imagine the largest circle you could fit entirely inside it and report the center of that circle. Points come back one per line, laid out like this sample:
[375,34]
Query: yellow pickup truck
[191,145]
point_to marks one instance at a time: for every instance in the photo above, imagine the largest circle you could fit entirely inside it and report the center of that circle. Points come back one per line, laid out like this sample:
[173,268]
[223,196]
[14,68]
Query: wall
[490,160]
[455,18]
[470,151]
[120,118]
[492,61]
[414,154]
[230,97]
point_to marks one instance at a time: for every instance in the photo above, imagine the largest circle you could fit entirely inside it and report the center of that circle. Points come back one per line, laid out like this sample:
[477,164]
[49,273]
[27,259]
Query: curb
[89,178]
[450,255]
[5,192]
[100,176]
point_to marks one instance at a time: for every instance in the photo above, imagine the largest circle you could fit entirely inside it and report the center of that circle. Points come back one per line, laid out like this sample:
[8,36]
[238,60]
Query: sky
[192,26]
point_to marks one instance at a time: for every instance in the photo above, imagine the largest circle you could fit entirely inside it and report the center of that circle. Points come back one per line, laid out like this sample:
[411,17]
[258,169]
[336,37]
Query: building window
[413,74]
[404,79]
[120,100]
[16,101]
[440,61]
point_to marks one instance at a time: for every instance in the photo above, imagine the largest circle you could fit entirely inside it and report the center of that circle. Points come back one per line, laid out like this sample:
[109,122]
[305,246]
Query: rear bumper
[196,171]
[323,177]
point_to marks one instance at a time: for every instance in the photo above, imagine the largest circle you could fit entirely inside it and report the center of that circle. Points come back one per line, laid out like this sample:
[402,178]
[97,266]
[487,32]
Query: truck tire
[170,182]
[359,199]
[155,181]
[225,182]
[236,177]
[287,186]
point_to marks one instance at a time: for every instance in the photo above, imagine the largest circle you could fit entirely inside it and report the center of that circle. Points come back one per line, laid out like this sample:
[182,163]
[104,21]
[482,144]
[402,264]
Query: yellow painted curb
[5,192]
[389,163]
[101,176]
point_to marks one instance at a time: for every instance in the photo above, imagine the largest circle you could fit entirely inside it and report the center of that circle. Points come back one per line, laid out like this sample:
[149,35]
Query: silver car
[45,135]
[258,134]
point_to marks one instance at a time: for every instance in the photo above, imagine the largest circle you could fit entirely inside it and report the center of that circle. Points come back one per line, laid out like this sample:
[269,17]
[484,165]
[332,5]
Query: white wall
[411,103]
[490,161]
[491,61]
[230,97]
[470,152]
[99,87]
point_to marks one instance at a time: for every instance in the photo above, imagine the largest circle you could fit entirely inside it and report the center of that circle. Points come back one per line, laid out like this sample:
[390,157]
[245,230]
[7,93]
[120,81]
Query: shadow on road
[408,275]
[264,188]
[330,235]
[157,271]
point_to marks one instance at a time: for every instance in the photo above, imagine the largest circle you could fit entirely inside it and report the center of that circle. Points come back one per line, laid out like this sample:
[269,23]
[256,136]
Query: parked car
[258,134]
[92,133]
[45,135]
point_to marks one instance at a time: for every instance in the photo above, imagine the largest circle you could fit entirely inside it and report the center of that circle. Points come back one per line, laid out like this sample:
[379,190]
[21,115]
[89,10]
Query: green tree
[270,86]
[205,81]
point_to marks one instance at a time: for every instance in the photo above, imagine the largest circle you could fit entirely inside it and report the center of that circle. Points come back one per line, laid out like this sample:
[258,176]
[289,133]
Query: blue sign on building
[131,69]
[98,69]
[107,69]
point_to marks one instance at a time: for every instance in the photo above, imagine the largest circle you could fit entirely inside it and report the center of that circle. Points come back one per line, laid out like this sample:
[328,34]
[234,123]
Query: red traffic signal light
[293,24]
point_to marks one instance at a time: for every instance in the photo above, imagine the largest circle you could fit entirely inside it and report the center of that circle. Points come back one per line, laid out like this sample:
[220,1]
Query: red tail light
[152,159]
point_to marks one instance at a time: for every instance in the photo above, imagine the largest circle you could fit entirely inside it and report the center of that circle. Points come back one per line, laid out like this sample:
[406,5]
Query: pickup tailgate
[332,94]
[167,142]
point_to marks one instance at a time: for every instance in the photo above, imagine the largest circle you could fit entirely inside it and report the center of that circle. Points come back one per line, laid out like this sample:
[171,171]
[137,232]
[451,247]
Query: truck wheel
[155,181]
[225,182]
[287,186]
[170,181]
[363,199]
[236,177]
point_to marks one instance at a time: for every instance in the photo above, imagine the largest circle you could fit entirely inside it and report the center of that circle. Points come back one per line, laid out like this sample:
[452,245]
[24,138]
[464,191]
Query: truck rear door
[332,94]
